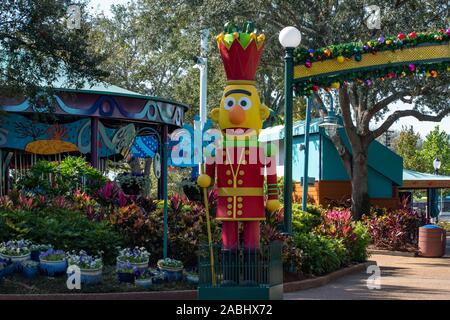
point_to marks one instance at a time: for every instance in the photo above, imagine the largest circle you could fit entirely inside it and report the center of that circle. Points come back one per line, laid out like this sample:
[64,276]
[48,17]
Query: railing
[242,267]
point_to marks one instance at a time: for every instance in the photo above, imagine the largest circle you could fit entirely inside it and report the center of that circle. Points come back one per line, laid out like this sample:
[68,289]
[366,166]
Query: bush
[359,250]
[320,254]
[50,178]
[395,230]
[304,222]
[63,228]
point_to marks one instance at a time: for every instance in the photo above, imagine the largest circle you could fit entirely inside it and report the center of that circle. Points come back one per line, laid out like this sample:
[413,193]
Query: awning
[420,180]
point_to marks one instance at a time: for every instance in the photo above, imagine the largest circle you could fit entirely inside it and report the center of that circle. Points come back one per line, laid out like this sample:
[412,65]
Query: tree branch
[407,113]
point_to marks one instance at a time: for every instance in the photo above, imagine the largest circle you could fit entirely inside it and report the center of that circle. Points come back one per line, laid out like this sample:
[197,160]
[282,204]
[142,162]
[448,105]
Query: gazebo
[100,122]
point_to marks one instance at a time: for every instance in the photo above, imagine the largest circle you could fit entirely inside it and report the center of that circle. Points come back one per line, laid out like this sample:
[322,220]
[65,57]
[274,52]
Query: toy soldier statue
[241,163]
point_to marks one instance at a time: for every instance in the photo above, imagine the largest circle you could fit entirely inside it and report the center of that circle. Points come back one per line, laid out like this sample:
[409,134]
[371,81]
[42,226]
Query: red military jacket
[240,171]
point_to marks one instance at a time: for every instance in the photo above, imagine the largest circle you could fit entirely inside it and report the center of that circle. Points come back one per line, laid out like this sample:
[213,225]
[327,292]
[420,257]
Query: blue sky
[423,127]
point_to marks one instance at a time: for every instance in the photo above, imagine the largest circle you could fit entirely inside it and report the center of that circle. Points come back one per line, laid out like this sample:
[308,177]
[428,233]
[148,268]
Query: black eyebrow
[248,93]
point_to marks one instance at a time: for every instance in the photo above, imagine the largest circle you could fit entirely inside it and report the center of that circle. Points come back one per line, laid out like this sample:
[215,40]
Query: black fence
[261,267]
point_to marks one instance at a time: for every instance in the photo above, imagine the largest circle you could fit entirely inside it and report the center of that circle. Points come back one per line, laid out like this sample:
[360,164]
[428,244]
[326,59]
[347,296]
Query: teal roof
[277,132]
[104,88]
[420,176]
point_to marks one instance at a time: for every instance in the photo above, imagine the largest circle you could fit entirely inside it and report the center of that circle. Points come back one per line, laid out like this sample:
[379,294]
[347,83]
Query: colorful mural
[21,133]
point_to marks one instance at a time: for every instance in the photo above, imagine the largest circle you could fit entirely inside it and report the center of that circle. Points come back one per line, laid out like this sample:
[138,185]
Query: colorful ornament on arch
[380,43]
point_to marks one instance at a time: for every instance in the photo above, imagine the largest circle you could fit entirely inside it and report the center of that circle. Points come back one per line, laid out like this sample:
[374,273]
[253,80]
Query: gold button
[230,199]
[240,182]
[228,172]
[230,206]
[229,212]
[239,212]
[240,205]
[239,199]
[230,181]
[241,172]
[247,152]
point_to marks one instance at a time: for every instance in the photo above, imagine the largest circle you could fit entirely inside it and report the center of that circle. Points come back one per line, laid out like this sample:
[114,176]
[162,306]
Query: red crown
[240,62]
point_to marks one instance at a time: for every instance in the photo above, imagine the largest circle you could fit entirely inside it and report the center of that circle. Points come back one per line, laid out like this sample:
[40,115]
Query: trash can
[432,240]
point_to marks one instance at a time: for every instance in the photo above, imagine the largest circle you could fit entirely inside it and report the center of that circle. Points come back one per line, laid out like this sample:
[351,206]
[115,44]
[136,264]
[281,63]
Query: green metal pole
[288,123]
[165,168]
[306,155]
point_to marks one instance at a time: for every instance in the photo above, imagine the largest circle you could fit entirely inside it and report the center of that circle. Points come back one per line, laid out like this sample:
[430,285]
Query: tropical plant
[62,228]
[394,230]
[320,254]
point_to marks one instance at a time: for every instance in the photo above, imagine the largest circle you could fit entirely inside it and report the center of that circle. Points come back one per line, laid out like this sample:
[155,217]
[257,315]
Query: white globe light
[290,37]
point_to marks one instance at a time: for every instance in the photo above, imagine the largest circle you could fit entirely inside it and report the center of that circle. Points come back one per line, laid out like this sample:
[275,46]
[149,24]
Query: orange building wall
[338,193]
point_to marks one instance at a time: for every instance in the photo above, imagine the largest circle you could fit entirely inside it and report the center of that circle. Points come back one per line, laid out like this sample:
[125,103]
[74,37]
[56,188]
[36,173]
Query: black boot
[230,267]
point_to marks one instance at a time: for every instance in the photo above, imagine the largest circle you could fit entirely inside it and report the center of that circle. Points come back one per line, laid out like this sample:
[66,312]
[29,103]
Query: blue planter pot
[91,276]
[53,268]
[125,277]
[173,275]
[146,284]
[30,272]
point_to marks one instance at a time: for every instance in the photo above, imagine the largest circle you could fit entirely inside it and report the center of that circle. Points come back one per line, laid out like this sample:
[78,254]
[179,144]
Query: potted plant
[172,268]
[158,276]
[37,249]
[91,267]
[53,262]
[6,268]
[144,278]
[126,272]
[192,277]
[30,269]
[15,250]
[137,257]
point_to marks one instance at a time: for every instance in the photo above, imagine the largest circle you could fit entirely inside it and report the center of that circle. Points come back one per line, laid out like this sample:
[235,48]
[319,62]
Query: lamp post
[289,38]
[436,166]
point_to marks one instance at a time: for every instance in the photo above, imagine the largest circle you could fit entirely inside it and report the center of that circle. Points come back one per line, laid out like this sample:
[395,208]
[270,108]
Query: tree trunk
[360,186]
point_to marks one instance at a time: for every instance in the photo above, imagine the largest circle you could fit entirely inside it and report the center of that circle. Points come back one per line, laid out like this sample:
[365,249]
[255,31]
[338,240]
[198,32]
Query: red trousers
[230,234]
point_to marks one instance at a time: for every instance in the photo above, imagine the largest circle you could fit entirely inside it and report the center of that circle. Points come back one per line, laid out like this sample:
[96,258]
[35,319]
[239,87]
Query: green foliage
[359,250]
[37,47]
[418,155]
[304,222]
[50,178]
[436,144]
[321,254]
[407,145]
[62,228]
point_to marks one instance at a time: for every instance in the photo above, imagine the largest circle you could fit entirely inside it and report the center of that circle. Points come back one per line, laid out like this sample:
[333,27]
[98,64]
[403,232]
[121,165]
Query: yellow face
[240,108]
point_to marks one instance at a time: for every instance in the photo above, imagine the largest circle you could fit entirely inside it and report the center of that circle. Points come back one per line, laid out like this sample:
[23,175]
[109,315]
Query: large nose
[236,115]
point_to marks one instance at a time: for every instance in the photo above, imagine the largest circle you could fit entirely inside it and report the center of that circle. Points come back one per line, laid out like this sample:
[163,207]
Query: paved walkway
[401,278]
